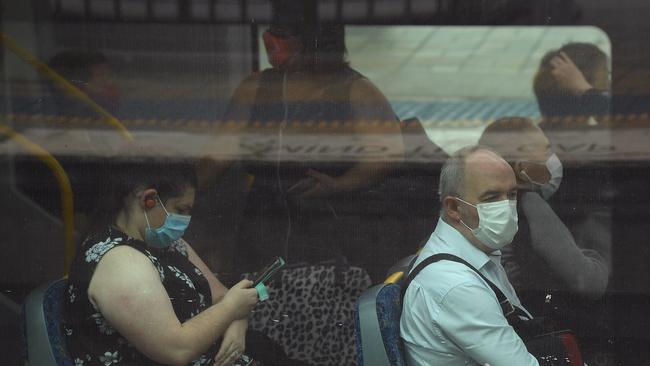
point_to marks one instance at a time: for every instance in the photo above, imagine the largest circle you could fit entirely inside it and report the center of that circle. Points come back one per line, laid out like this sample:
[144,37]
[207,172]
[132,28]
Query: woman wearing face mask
[138,293]
[300,205]
[568,255]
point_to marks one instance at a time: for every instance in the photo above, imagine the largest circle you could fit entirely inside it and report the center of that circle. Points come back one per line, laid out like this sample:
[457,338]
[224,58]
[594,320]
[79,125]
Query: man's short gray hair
[452,175]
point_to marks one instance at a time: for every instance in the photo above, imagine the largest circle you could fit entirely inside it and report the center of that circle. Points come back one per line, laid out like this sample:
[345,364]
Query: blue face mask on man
[171,230]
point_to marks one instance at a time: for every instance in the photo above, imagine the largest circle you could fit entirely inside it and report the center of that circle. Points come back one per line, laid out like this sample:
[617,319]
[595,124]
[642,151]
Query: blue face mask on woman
[171,230]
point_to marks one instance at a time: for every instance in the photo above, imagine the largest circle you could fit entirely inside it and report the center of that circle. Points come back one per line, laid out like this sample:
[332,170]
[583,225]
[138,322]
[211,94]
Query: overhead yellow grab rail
[63,83]
[64,187]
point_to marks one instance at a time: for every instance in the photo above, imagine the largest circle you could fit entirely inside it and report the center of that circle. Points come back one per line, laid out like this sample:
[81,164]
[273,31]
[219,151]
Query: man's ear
[148,198]
[450,205]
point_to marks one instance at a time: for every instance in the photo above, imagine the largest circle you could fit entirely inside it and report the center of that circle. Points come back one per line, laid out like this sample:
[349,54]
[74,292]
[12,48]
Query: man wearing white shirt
[450,314]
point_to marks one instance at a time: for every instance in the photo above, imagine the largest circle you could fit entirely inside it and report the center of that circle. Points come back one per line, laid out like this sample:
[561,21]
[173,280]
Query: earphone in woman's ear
[150,202]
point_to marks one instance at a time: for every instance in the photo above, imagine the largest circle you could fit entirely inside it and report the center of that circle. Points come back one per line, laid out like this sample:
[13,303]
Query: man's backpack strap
[506,306]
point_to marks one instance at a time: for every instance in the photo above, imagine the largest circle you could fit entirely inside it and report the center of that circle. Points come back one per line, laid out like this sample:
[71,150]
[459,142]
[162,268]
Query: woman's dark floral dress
[90,339]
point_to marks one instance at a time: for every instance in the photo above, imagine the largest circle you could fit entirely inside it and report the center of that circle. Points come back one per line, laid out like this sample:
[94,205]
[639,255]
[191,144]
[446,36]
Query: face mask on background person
[277,47]
[555,169]
[497,223]
[171,230]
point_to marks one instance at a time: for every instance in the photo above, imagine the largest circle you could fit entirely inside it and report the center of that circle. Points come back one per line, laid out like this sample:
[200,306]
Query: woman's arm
[210,167]
[568,76]
[127,290]
[217,289]
[234,337]
[585,271]
[368,105]
[589,101]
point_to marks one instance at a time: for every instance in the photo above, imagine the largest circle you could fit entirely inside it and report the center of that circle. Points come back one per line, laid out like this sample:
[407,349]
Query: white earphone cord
[285,116]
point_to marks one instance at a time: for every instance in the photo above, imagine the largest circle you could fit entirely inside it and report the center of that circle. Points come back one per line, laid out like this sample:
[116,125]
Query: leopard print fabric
[310,313]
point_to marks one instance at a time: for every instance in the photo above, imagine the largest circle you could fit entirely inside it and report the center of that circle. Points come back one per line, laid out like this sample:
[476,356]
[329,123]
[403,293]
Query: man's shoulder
[438,279]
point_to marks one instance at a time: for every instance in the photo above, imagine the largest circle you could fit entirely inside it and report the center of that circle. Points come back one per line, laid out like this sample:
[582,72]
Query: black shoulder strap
[506,306]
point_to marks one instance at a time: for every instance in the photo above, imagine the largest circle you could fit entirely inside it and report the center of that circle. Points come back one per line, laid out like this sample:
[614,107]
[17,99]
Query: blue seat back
[42,314]
[377,318]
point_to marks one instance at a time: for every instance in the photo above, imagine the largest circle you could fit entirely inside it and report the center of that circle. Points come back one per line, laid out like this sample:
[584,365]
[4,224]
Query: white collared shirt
[451,316]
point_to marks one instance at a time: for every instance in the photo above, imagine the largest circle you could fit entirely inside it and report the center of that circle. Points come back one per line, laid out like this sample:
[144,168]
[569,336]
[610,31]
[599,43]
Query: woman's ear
[148,198]
[518,167]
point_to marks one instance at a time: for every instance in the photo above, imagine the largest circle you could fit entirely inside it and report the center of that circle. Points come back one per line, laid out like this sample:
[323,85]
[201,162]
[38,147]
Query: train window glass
[332,166]
[487,72]
[150,84]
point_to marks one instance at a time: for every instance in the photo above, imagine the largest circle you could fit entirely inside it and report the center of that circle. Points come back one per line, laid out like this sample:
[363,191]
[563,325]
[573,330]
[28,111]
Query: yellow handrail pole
[64,186]
[63,83]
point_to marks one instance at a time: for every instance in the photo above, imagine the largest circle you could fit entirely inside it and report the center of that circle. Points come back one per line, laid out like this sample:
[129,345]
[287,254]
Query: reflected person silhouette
[318,192]
[564,243]
[573,82]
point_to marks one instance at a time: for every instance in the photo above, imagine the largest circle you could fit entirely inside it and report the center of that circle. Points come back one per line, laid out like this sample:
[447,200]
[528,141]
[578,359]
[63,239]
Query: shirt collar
[447,239]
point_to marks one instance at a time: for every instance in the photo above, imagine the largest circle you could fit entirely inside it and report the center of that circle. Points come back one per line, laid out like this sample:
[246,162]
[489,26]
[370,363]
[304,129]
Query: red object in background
[572,348]
[277,49]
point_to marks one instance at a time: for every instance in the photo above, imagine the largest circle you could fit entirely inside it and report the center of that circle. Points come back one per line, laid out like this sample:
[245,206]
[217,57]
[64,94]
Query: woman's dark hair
[323,42]
[122,179]
[587,57]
